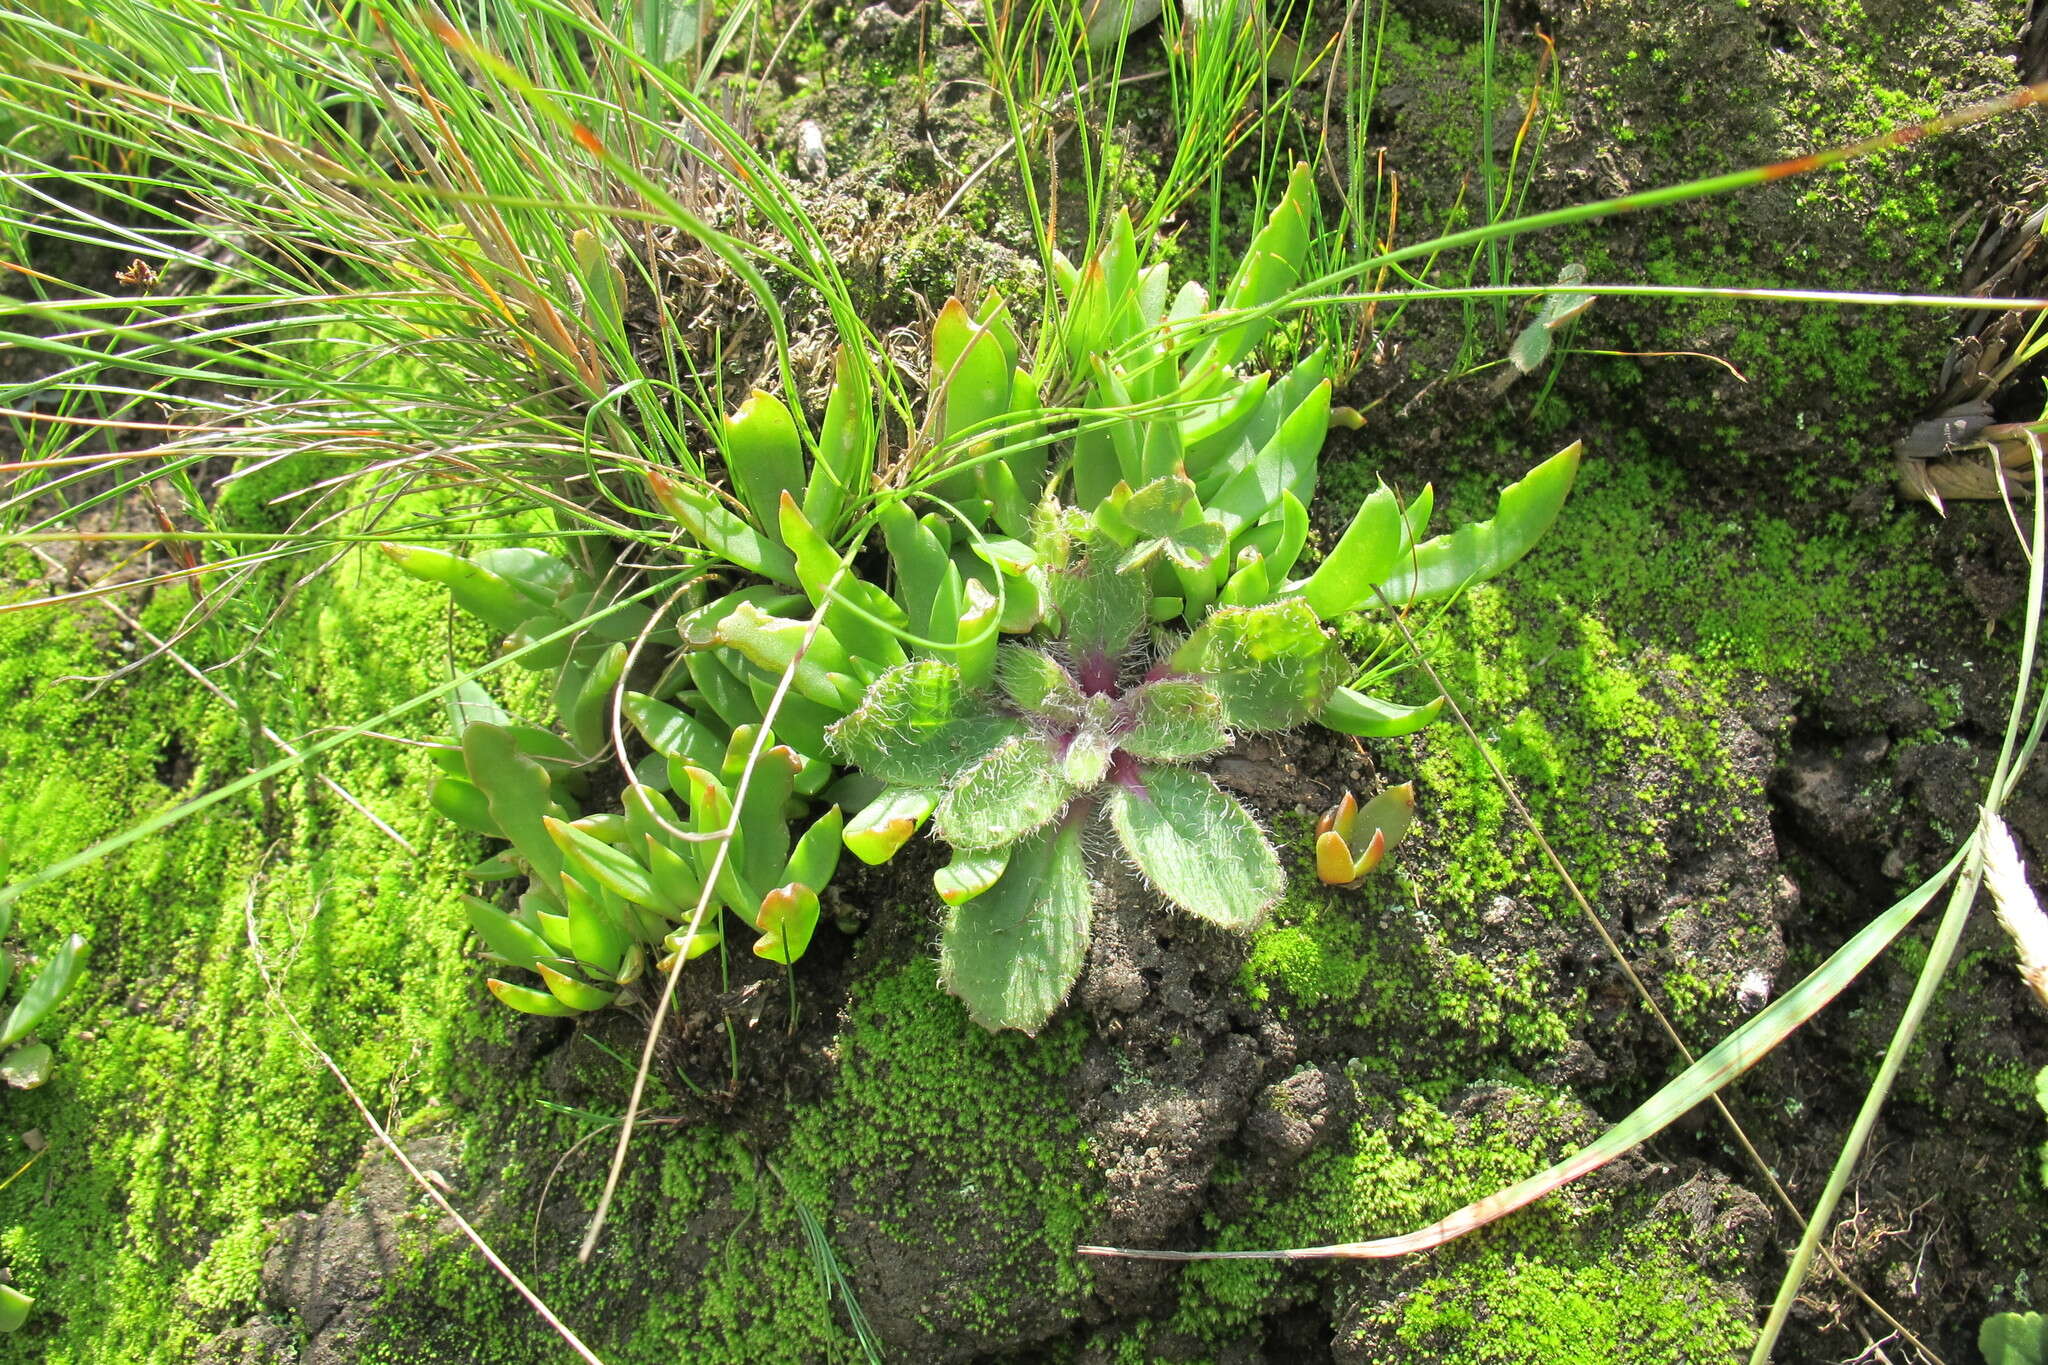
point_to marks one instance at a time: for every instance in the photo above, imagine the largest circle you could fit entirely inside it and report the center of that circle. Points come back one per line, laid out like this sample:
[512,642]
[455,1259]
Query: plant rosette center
[1071,729]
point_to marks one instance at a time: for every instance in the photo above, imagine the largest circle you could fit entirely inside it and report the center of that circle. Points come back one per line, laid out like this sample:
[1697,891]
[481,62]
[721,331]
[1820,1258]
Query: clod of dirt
[327,1270]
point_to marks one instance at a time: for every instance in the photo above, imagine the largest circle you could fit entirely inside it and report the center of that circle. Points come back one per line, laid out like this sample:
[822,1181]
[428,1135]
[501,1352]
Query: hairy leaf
[1272,666]
[1175,720]
[1198,846]
[1101,608]
[1010,791]
[1012,953]
[916,725]
[1034,681]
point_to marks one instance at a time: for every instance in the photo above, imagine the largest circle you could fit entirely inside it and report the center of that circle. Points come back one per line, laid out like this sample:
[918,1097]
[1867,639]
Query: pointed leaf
[715,528]
[846,445]
[816,855]
[1477,552]
[44,993]
[495,601]
[527,1000]
[577,995]
[1363,557]
[1354,713]
[597,936]
[506,936]
[616,870]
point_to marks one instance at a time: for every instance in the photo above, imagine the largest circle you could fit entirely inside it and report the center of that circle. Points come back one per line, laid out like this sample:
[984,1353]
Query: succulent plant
[1014,678]
[26,1061]
[1353,840]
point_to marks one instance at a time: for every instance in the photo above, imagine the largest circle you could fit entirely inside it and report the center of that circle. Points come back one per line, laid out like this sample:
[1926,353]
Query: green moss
[182,1114]
[1582,1277]
[956,1143]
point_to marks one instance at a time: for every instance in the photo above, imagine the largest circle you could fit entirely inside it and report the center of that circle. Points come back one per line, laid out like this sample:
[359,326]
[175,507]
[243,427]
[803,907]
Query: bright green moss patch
[1582,1277]
[955,1144]
[182,1116]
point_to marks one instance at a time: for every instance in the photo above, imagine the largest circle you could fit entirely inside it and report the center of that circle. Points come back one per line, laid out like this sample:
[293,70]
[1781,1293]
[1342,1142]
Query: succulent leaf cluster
[25,1061]
[1102,596]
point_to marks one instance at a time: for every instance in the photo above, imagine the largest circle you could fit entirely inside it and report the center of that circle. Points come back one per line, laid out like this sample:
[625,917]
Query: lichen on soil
[1748,698]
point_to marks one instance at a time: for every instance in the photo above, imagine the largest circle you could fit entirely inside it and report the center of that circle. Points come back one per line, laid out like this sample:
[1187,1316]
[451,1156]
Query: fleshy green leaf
[596,935]
[577,995]
[887,823]
[816,855]
[44,993]
[715,527]
[505,936]
[496,601]
[1271,267]
[1354,713]
[787,917]
[616,870]
[764,456]
[1198,846]
[527,1000]
[1010,791]
[969,874]
[1477,552]
[1363,557]
[14,1308]
[671,732]
[28,1066]
[846,445]
[517,789]
[461,802]
[916,725]
[1012,953]
[824,670]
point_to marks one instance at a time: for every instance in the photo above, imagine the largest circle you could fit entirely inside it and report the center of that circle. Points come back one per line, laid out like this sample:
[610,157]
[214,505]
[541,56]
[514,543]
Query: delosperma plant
[1102,598]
